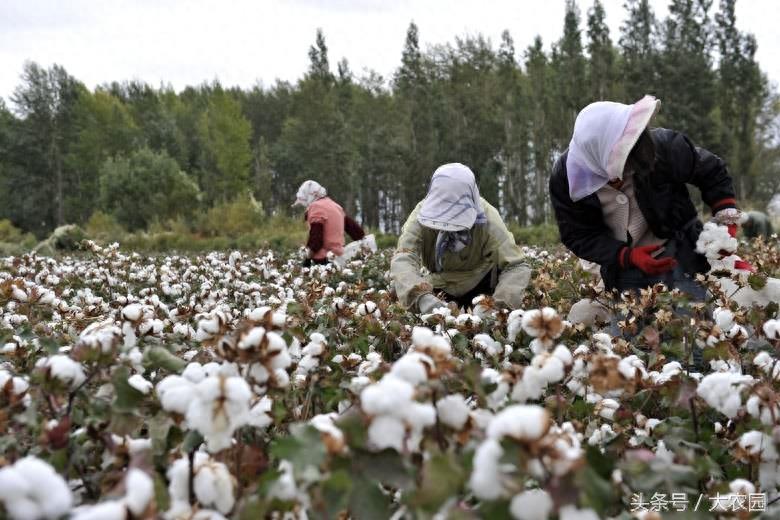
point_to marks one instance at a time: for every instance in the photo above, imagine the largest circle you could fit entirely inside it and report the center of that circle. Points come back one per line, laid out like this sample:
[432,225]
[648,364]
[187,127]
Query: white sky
[241,42]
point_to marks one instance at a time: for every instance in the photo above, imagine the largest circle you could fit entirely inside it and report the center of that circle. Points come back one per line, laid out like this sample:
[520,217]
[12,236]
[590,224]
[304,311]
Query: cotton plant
[31,489]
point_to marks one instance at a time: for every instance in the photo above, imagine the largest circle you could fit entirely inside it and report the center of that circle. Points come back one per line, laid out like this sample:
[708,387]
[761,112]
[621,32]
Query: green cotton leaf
[303,448]
[719,351]
[367,502]
[602,463]
[757,281]
[159,427]
[161,496]
[355,432]
[159,357]
[192,441]
[442,478]
[386,467]
[336,492]
[495,510]
[598,491]
[126,398]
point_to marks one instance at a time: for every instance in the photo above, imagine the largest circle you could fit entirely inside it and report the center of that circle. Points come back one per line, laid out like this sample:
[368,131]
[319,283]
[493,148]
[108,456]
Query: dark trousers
[311,261]
[485,286]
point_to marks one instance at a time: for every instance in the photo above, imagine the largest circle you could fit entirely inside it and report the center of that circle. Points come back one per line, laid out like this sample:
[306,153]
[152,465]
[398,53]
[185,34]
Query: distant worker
[757,225]
[463,245]
[327,223]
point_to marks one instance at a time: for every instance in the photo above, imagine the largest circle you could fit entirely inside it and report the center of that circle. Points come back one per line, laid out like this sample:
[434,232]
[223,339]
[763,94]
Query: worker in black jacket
[620,197]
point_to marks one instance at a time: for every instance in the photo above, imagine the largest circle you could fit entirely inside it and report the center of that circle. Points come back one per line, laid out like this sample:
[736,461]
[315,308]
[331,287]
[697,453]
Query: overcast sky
[242,42]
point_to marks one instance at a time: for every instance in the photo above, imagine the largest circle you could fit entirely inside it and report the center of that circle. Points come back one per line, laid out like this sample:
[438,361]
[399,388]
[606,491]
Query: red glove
[733,230]
[641,258]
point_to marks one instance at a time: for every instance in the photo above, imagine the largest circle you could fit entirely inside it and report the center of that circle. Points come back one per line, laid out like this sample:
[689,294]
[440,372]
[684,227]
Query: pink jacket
[331,216]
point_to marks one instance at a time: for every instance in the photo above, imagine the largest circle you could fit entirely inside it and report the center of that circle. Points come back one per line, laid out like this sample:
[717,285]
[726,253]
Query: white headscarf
[604,134]
[452,207]
[308,193]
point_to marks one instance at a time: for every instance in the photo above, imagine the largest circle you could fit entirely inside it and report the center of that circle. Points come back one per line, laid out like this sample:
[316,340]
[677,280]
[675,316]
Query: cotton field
[236,385]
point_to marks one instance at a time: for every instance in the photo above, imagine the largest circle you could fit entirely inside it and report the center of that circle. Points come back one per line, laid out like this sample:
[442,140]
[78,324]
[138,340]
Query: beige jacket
[492,245]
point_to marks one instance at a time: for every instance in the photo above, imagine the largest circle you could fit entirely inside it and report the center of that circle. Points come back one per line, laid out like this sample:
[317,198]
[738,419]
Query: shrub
[103,226]
[147,186]
[242,215]
[10,234]
[539,235]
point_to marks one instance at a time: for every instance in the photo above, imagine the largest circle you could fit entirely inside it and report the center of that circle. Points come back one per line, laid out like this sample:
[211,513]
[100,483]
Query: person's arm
[700,167]
[581,224]
[353,229]
[315,241]
[515,274]
[405,265]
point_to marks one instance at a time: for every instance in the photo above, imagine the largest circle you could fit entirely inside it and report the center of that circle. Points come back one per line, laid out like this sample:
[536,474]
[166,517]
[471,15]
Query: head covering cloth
[604,134]
[452,207]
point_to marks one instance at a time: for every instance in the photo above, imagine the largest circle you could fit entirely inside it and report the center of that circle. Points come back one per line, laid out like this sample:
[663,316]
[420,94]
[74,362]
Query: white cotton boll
[412,367]
[724,318]
[219,407]
[281,378]
[713,239]
[139,383]
[139,491]
[213,486]
[284,488]
[65,369]
[759,444]
[531,386]
[632,366]
[387,432]
[521,422]
[488,344]
[30,488]
[418,415]
[603,342]
[498,396]
[772,329]
[175,394]
[534,504]
[133,312]
[325,424]
[259,414]
[358,383]
[485,480]
[741,486]
[514,324]
[606,408]
[384,396]
[194,373]
[601,435]
[550,368]
[721,391]
[453,411]
[110,510]
[18,294]
[572,513]
[369,308]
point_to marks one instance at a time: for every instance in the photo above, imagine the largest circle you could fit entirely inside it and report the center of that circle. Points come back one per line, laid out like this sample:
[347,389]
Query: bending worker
[455,246]
[620,197]
[327,223]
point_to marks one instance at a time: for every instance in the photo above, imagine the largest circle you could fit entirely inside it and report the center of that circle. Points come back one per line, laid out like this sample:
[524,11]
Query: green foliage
[240,216]
[104,226]
[10,234]
[541,235]
[505,112]
[148,185]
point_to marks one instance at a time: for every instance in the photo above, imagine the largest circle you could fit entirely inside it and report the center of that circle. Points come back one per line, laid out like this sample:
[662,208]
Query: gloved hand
[428,302]
[641,258]
[731,218]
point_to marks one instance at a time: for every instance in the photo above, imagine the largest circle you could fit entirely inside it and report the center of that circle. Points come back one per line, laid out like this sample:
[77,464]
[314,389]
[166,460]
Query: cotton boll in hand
[714,240]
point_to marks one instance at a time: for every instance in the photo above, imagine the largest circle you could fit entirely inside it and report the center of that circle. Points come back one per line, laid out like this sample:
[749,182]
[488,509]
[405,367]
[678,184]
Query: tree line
[144,154]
